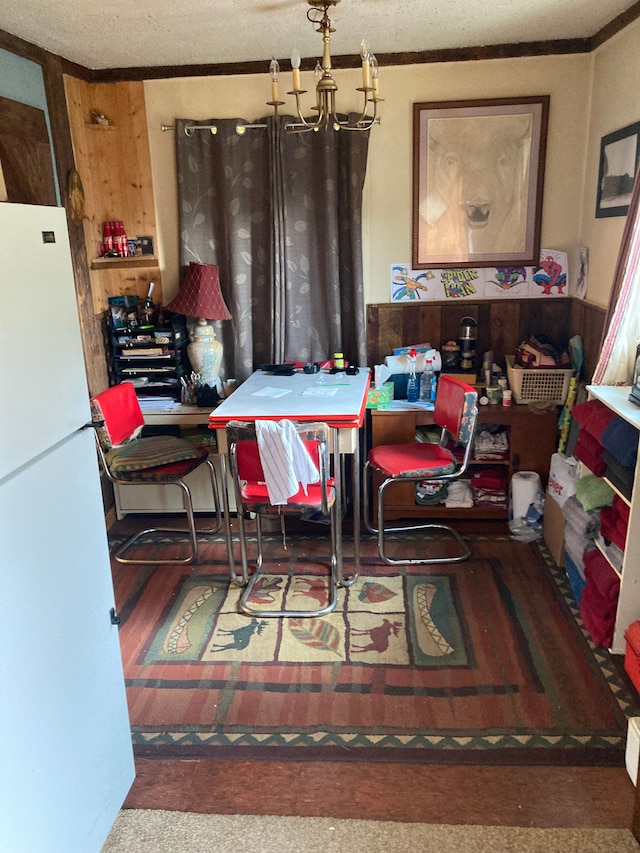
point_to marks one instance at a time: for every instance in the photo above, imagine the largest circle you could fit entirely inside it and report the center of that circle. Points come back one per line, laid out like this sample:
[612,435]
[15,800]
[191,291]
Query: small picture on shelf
[140,246]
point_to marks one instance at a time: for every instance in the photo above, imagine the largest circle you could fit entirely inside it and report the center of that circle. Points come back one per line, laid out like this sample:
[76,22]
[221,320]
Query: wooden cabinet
[532,440]
[616,398]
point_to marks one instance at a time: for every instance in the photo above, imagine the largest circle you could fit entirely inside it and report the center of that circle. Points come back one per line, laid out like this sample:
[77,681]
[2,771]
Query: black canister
[467,341]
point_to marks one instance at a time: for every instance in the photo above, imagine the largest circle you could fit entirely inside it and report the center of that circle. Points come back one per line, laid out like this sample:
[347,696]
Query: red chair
[162,460]
[456,414]
[317,500]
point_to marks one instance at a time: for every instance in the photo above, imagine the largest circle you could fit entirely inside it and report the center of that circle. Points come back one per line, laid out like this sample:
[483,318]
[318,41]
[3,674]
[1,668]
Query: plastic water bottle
[428,383]
[412,382]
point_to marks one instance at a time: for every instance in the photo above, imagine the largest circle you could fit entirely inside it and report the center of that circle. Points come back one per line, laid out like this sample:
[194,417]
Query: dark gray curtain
[281,216]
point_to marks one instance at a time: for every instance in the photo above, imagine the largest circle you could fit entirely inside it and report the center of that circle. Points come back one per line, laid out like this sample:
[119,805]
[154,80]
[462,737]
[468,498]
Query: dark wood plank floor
[485,796]
[597,797]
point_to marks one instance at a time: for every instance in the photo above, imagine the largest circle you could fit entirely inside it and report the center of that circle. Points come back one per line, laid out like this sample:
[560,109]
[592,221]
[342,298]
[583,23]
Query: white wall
[615,103]
[574,83]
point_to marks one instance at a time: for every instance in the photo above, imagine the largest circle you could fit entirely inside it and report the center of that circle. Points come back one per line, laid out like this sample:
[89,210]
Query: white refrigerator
[66,760]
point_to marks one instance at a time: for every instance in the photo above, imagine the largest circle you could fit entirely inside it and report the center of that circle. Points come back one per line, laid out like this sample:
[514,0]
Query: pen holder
[187,396]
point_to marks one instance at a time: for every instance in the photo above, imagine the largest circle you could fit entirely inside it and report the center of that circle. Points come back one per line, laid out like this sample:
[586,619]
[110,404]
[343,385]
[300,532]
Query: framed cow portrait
[478,177]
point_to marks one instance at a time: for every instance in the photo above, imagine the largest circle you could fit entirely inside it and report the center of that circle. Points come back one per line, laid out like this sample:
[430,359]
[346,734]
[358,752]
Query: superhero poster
[547,279]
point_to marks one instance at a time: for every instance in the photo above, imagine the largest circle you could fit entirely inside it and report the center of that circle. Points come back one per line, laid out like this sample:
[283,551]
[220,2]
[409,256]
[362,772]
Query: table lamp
[200,296]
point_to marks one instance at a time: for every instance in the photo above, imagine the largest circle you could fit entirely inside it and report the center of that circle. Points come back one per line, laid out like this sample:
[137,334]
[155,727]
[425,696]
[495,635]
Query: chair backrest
[456,408]
[243,447]
[119,411]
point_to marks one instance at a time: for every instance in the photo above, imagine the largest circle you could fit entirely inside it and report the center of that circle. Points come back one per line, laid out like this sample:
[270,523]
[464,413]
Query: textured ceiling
[122,34]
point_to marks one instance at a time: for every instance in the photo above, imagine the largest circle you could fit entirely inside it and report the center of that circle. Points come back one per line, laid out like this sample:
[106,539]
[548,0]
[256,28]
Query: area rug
[482,661]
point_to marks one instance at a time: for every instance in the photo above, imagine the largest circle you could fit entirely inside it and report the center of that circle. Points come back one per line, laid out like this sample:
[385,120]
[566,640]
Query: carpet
[478,662]
[141,831]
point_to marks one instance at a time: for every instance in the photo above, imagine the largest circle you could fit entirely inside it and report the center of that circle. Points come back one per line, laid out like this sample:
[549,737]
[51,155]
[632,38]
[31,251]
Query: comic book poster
[409,285]
[508,282]
[550,276]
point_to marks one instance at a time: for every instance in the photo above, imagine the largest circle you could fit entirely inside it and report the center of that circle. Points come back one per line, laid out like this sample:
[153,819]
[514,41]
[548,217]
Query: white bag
[563,475]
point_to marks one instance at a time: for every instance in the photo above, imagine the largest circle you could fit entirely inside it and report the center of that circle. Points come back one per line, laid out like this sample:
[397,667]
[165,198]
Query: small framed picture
[619,154]
[634,396]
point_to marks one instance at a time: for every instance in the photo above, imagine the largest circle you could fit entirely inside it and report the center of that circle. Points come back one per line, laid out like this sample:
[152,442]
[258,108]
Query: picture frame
[619,155]
[478,179]
[634,396]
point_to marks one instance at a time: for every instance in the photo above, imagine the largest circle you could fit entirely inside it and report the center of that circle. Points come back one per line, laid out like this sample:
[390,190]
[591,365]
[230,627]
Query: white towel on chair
[285,461]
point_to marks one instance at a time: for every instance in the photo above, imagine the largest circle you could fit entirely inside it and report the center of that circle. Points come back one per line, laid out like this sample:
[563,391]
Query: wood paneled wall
[502,325]
[115,166]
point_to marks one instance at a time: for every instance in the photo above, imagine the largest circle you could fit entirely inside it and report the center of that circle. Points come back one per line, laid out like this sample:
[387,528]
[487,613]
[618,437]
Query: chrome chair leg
[191,532]
[382,530]
[193,553]
[249,610]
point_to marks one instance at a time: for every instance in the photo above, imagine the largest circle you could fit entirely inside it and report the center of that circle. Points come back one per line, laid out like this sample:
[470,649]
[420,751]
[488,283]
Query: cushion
[255,498]
[412,461]
[152,452]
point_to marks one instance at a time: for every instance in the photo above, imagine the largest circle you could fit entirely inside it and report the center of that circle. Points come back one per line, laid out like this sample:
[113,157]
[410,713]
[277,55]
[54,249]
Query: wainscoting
[502,325]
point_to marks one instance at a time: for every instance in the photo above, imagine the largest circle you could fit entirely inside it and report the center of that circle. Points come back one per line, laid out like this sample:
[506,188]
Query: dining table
[336,398]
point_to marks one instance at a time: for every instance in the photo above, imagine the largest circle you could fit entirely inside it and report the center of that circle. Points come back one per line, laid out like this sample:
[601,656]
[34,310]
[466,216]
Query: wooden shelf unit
[532,441]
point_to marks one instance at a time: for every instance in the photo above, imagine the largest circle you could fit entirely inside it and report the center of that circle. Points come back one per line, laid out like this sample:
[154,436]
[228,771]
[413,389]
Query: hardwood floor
[485,796]
[538,796]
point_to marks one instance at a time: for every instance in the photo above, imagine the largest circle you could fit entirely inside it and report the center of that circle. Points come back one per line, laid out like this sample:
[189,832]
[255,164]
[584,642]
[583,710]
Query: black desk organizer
[153,357]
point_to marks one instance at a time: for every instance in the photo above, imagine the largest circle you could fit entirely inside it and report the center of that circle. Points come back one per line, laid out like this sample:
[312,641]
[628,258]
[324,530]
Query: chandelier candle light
[200,296]
[326,87]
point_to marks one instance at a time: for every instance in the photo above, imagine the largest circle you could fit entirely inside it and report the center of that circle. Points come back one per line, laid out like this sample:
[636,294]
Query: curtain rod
[189,128]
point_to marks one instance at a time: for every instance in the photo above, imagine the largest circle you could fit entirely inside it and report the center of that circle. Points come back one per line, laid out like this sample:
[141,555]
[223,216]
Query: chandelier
[326,87]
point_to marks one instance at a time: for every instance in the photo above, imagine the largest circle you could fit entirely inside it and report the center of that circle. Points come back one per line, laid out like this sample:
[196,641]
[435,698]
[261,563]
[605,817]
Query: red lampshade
[200,294]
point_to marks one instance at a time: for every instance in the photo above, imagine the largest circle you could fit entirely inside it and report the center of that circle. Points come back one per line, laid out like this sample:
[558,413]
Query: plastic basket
[546,385]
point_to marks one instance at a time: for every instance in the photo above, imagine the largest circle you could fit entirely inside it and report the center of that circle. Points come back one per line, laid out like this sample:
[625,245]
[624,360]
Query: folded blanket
[460,495]
[613,526]
[576,580]
[488,445]
[587,523]
[621,476]
[593,416]
[589,450]
[490,497]
[489,478]
[593,492]
[599,573]
[621,440]
[622,508]
[570,565]
[598,617]
[576,544]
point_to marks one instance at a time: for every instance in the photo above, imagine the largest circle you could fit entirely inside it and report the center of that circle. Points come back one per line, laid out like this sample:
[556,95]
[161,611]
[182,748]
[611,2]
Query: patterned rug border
[499,749]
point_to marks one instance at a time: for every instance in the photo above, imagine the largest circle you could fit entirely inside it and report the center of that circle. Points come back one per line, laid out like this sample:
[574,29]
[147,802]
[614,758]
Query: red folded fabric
[602,577]
[489,478]
[490,497]
[589,450]
[614,521]
[594,416]
[598,622]
[622,507]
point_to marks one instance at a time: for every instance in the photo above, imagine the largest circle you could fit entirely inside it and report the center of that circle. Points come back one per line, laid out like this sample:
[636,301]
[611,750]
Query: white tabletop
[337,399]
